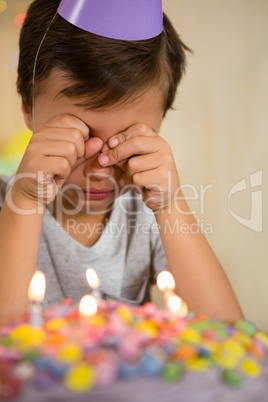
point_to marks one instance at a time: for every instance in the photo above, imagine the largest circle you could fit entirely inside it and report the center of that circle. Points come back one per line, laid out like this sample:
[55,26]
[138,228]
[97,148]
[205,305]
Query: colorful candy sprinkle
[70,353]
[25,336]
[251,368]
[172,372]
[262,337]
[232,378]
[198,364]
[249,328]
[150,366]
[80,378]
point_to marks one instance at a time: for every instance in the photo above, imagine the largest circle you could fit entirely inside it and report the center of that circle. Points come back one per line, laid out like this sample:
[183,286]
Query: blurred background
[218,130]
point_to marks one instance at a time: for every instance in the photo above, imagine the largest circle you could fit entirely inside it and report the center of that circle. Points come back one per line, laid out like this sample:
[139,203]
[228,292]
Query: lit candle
[88,306]
[36,295]
[177,306]
[94,282]
[166,284]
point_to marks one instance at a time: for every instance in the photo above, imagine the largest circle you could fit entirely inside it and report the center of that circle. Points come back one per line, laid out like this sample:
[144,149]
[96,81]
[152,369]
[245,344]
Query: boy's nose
[105,147]
[92,165]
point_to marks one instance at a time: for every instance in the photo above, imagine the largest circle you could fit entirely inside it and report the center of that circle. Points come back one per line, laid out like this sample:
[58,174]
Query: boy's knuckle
[121,137]
[66,119]
[136,179]
[132,163]
[71,148]
[168,159]
[115,154]
[141,128]
[75,134]
[64,165]
[136,142]
[165,146]
[31,149]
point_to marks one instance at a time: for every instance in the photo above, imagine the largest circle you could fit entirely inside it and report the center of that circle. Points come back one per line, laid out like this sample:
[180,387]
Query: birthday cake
[131,353]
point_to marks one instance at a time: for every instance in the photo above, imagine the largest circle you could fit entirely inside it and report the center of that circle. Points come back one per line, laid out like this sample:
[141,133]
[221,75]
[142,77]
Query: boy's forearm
[19,244]
[200,279]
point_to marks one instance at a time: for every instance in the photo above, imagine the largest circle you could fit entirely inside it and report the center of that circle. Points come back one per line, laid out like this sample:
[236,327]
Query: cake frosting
[125,352]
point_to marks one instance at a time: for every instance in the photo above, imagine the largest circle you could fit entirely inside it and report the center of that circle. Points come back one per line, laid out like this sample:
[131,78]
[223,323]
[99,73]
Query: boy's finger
[92,147]
[69,121]
[139,164]
[134,146]
[65,135]
[65,149]
[133,131]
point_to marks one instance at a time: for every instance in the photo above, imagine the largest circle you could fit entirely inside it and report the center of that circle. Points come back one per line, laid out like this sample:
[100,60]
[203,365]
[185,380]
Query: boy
[97,185]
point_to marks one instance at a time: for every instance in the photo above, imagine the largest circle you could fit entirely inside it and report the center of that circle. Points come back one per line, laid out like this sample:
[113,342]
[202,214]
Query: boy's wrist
[21,204]
[177,205]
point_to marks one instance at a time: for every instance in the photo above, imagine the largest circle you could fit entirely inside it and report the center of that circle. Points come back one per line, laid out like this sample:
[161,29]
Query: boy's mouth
[96,194]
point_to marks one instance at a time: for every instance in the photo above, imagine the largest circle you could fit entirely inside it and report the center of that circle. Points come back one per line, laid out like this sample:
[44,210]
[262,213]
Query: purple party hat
[117,19]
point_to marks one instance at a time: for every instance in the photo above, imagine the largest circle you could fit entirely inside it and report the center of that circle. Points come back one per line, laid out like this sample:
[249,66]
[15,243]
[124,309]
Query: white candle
[36,295]
[94,282]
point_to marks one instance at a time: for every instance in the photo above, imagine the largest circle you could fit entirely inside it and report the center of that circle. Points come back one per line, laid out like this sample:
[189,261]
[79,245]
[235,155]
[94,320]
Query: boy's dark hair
[104,71]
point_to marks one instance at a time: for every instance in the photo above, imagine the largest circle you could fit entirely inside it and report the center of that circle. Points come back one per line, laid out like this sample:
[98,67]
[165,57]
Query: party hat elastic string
[34,71]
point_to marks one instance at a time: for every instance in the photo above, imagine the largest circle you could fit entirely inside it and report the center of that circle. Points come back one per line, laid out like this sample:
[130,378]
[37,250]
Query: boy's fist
[147,162]
[52,153]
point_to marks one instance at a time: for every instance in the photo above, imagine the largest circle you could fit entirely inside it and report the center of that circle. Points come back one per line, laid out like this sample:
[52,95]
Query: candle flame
[37,287]
[184,309]
[165,281]
[177,306]
[88,306]
[92,278]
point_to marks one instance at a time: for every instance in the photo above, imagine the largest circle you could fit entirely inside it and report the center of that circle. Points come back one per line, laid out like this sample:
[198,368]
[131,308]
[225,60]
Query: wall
[218,132]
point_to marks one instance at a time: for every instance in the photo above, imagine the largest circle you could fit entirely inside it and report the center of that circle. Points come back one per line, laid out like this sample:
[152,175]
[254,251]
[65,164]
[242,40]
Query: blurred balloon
[19,20]
[12,151]
[3,6]
[17,143]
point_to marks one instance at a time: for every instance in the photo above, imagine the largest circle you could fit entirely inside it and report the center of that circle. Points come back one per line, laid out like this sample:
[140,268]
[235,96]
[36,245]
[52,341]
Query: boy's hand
[50,156]
[147,162]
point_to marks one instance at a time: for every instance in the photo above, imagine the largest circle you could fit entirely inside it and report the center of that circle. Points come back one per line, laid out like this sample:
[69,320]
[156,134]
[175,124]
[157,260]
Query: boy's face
[99,185]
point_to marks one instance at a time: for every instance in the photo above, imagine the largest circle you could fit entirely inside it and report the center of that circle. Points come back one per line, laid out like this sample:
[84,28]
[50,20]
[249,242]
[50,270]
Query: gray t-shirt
[127,256]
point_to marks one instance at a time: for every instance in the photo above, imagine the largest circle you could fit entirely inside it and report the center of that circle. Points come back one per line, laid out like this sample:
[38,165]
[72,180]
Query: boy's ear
[27,113]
